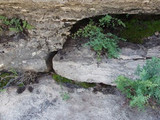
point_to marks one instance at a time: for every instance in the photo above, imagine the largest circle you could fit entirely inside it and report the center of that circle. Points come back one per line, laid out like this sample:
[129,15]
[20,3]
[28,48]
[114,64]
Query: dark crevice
[15,37]
[97,87]
[139,22]
[49,60]
[106,89]
[81,23]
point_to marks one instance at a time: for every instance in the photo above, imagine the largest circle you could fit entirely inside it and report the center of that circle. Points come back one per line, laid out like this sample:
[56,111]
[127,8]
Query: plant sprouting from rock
[14,24]
[144,89]
[109,21]
[100,41]
[12,77]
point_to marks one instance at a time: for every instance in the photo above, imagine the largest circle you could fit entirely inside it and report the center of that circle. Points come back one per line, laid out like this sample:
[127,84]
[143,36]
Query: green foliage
[100,41]
[146,87]
[137,29]
[65,96]
[6,78]
[150,69]
[61,79]
[109,21]
[139,101]
[15,24]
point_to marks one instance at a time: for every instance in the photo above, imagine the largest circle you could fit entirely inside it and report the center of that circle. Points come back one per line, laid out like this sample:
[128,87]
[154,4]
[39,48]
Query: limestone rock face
[45,103]
[80,64]
[52,20]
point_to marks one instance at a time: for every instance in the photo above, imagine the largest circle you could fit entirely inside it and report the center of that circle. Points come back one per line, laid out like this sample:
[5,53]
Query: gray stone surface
[24,55]
[52,20]
[45,103]
[80,63]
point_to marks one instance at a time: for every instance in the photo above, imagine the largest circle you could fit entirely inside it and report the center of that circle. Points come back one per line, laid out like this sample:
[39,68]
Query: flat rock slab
[79,63]
[45,103]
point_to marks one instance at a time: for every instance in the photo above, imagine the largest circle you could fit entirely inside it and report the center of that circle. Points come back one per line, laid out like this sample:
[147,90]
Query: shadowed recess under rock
[138,26]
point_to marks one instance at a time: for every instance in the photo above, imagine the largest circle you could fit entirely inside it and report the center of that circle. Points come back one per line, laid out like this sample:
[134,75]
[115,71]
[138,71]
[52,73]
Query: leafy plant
[65,96]
[100,41]
[109,21]
[147,87]
[6,78]
[12,77]
[15,24]
[150,69]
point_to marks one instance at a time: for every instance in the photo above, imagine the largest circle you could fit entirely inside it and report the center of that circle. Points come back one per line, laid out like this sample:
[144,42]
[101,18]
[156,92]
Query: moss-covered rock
[60,79]
[139,28]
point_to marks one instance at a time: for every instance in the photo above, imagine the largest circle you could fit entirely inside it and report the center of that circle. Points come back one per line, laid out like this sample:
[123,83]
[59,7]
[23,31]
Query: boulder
[79,63]
[52,20]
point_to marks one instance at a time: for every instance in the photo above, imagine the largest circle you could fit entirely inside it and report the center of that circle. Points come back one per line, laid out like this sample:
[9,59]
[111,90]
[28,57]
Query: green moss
[137,29]
[60,79]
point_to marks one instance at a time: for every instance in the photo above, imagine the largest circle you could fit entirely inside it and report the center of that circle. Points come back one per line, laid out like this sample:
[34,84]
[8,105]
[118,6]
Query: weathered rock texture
[79,63]
[45,103]
[52,20]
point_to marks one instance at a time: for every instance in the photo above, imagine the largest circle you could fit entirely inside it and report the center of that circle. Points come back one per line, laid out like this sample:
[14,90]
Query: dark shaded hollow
[49,60]
[140,23]
[124,17]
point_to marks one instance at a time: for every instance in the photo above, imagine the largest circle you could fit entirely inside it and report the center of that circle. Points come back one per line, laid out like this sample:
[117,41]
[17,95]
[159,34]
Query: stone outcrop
[45,103]
[52,20]
[79,63]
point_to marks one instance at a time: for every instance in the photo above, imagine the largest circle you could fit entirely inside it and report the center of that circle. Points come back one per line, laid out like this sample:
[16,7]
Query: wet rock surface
[79,63]
[45,103]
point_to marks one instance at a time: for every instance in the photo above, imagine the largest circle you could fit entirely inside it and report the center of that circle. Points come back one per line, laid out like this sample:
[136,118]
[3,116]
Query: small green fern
[100,41]
[109,21]
[146,87]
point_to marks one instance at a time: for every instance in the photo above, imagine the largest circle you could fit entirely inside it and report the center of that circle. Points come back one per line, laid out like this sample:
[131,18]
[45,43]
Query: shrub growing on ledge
[99,40]
[144,89]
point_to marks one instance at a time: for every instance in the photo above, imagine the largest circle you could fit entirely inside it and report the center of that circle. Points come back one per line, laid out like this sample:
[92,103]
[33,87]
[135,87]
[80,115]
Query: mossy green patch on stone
[60,79]
[137,29]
